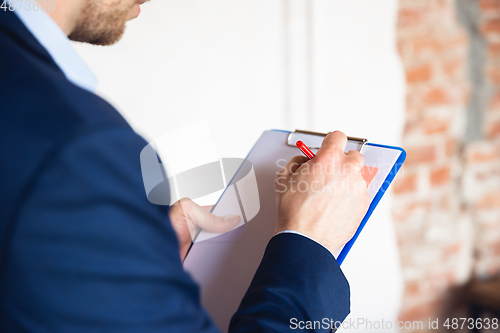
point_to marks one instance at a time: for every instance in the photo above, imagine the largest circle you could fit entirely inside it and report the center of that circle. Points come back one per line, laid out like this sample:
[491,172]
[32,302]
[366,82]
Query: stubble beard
[102,23]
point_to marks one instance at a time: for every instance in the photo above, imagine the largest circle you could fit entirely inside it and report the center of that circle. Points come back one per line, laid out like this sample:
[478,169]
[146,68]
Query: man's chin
[104,26]
[103,38]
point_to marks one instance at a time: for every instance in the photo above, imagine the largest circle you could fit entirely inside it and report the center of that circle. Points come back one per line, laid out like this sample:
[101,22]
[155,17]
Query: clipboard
[224,264]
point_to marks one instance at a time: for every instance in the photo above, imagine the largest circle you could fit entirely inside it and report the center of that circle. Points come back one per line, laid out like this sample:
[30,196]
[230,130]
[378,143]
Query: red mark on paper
[369,173]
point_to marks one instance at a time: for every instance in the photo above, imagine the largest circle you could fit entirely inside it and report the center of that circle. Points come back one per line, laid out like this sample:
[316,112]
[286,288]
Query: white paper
[224,266]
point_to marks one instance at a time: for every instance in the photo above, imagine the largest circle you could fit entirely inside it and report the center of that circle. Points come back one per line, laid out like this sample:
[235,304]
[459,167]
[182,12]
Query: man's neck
[66,14]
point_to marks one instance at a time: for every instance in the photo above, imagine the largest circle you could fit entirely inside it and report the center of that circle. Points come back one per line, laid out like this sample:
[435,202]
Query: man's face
[102,22]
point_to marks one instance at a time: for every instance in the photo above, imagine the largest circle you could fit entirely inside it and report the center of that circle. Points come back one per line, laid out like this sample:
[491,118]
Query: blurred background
[421,74]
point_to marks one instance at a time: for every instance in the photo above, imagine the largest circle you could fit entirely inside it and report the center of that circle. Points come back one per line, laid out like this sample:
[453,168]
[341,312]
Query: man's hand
[188,219]
[324,198]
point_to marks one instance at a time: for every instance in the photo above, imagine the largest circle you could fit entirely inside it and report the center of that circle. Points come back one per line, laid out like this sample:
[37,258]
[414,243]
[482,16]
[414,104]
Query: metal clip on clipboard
[289,141]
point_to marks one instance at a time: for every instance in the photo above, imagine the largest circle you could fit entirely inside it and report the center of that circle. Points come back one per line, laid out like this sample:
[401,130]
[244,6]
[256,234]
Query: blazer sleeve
[89,253]
[298,286]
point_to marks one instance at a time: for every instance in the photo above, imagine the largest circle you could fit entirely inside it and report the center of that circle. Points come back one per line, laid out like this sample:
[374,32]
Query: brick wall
[447,199]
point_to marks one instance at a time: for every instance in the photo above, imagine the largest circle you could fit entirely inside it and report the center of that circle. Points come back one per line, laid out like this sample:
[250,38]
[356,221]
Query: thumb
[203,219]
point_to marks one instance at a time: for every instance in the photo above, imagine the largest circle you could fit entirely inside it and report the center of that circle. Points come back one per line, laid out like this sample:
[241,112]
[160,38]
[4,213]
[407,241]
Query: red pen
[305,149]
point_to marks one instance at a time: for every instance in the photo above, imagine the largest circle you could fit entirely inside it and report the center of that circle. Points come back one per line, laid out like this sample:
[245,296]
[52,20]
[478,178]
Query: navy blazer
[83,250]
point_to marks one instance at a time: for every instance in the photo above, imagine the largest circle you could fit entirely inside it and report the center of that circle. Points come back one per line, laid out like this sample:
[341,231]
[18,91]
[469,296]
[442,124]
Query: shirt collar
[57,44]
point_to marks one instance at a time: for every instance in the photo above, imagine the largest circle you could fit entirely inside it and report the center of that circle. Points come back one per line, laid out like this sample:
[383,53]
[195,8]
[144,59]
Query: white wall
[185,61]
[250,65]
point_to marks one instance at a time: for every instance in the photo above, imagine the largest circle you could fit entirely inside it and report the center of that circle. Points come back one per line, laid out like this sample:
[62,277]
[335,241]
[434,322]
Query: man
[82,250]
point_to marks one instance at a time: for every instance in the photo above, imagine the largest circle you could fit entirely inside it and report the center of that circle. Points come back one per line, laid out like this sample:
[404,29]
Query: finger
[208,208]
[176,208]
[334,140]
[293,164]
[207,221]
[357,156]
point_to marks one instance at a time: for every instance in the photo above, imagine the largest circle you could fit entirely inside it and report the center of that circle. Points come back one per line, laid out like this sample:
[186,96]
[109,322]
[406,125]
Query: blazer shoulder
[40,112]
